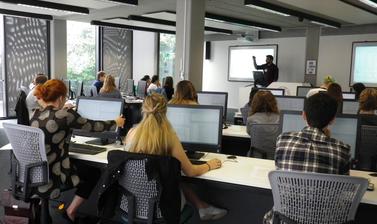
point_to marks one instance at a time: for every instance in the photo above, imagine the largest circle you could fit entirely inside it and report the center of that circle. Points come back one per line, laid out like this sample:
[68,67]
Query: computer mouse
[231,157]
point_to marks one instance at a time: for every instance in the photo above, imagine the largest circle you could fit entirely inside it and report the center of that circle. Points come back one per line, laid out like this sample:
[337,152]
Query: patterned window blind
[27,45]
[117,53]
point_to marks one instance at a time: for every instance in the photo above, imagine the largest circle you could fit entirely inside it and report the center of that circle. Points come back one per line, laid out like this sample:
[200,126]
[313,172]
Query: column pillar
[190,41]
[58,49]
[312,48]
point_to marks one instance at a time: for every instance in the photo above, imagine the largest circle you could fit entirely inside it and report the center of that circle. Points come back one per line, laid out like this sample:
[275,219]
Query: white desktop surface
[246,171]
[236,131]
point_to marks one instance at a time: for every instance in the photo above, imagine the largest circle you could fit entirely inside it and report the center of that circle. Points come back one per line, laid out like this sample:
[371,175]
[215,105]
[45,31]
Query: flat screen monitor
[130,87]
[290,103]
[141,87]
[199,127]
[99,109]
[259,79]
[344,128]
[215,99]
[68,85]
[117,82]
[366,151]
[275,92]
[302,91]
[349,96]
[350,107]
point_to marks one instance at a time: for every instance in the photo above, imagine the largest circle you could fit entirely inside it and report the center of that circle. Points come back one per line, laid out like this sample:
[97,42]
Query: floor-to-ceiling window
[2,78]
[81,54]
[167,55]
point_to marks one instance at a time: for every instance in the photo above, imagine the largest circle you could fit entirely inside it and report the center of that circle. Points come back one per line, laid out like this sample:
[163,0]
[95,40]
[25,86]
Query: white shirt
[31,103]
[152,87]
[315,91]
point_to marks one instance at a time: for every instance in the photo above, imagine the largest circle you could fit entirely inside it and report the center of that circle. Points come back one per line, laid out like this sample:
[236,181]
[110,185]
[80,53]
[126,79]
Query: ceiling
[102,10]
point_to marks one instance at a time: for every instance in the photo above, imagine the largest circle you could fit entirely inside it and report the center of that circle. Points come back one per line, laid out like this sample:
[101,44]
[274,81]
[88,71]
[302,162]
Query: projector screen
[364,66]
[241,67]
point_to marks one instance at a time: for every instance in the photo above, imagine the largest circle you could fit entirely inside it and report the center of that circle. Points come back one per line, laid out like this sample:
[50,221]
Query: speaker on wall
[208,50]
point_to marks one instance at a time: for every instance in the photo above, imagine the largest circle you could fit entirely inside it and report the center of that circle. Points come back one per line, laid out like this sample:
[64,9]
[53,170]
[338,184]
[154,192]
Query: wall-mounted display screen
[241,65]
[364,66]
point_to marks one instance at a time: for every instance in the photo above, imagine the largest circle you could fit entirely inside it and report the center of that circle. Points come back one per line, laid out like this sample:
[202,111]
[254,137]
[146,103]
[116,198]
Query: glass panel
[167,55]
[2,78]
[26,54]
[81,52]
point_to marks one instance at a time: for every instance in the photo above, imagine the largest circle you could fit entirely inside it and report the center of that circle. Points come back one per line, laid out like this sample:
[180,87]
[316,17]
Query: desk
[235,140]
[238,131]
[242,187]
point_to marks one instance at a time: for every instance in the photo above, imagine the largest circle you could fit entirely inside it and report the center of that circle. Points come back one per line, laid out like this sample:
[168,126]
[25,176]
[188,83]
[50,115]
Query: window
[81,51]
[167,55]
[2,78]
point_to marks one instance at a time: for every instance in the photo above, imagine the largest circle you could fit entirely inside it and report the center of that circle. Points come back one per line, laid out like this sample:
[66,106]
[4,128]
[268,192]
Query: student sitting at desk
[323,88]
[109,88]
[264,110]
[168,89]
[368,101]
[245,110]
[155,135]
[312,149]
[31,100]
[335,91]
[100,79]
[155,85]
[56,123]
[358,88]
[185,93]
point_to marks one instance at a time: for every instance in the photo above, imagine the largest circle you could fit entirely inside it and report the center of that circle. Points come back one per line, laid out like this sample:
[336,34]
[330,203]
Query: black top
[98,84]
[271,72]
[169,92]
[164,168]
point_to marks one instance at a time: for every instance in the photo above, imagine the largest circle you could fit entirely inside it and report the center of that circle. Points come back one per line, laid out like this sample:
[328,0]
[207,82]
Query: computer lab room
[188,111]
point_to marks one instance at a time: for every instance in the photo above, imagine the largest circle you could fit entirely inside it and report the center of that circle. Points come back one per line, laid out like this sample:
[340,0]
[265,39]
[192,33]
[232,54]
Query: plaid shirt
[310,150]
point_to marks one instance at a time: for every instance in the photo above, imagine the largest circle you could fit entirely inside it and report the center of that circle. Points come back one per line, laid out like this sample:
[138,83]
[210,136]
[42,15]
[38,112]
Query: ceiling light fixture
[323,24]
[272,8]
[173,23]
[123,2]
[50,6]
[241,22]
[371,3]
[268,10]
[128,27]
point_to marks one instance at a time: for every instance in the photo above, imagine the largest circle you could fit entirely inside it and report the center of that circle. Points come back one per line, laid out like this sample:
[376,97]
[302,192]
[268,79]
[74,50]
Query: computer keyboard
[85,149]
[197,162]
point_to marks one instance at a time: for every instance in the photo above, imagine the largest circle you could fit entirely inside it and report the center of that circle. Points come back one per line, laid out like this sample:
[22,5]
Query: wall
[144,54]
[335,56]
[59,49]
[291,63]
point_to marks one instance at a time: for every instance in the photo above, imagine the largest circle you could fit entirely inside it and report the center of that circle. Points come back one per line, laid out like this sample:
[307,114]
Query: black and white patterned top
[310,150]
[56,125]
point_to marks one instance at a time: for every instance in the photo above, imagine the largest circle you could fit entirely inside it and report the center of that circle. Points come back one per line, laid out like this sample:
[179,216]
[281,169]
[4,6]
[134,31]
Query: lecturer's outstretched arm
[255,64]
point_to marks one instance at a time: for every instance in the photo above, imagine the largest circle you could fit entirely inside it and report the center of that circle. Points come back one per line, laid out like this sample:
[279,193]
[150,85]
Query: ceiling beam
[128,27]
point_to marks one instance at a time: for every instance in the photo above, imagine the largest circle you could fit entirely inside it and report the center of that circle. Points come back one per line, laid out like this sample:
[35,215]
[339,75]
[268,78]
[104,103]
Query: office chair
[141,198]
[367,148]
[303,198]
[245,114]
[29,166]
[93,91]
[263,140]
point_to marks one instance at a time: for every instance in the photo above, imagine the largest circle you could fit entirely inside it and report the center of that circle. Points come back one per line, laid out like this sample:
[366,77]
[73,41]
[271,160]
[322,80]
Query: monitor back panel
[290,103]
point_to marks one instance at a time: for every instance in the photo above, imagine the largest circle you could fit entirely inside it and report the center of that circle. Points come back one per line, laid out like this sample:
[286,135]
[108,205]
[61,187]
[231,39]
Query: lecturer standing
[270,70]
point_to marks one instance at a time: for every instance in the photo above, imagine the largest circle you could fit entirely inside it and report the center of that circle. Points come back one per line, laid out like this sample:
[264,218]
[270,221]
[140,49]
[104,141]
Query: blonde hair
[108,85]
[185,93]
[153,133]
